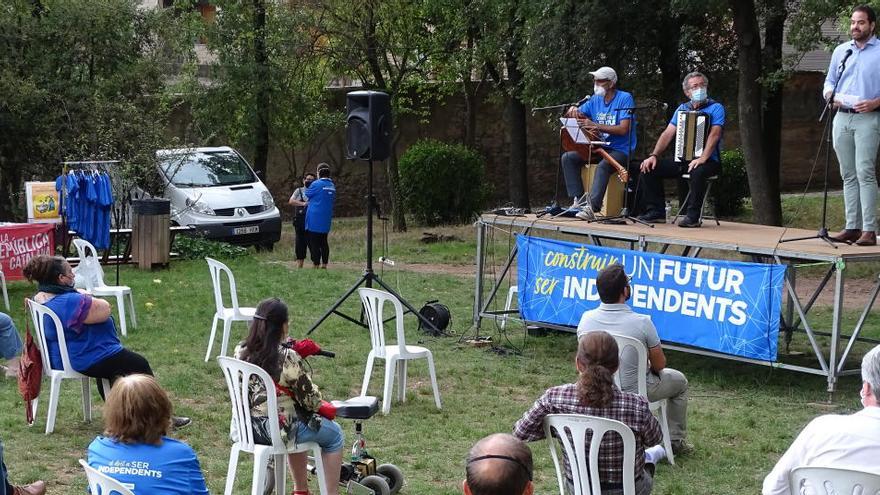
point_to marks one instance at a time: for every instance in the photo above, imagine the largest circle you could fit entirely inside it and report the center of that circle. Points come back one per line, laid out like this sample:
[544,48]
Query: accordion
[690,135]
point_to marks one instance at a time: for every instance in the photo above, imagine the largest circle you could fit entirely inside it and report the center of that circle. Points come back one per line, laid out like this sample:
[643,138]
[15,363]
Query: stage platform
[757,243]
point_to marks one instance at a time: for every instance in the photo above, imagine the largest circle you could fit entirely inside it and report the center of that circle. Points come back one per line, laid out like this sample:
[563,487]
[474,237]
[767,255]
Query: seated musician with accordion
[696,126]
[606,116]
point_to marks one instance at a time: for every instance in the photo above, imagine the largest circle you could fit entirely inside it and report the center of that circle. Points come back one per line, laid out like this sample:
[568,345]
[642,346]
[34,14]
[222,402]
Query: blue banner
[726,306]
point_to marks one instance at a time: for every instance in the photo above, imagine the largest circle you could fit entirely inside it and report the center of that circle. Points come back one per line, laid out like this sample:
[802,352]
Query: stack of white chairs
[93,277]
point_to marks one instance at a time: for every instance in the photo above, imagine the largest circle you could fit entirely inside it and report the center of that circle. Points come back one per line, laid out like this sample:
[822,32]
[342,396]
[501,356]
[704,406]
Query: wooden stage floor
[746,238]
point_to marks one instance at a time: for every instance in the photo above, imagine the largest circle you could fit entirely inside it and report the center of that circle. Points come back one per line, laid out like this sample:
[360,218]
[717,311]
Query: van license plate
[246,230]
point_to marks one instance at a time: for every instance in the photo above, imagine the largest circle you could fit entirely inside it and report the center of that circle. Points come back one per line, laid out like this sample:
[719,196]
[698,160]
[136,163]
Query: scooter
[361,475]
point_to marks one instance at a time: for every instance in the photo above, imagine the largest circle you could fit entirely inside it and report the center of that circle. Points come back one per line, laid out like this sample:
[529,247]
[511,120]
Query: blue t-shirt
[322,196]
[87,344]
[717,116]
[170,468]
[610,114]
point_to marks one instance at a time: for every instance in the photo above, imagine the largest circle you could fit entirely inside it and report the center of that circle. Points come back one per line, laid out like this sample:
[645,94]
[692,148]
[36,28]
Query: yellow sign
[42,202]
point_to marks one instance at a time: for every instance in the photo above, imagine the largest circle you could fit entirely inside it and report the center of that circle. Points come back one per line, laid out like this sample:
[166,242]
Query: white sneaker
[655,454]
[586,213]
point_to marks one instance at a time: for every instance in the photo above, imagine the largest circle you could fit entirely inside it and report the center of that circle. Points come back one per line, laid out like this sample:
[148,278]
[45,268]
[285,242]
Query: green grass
[741,417]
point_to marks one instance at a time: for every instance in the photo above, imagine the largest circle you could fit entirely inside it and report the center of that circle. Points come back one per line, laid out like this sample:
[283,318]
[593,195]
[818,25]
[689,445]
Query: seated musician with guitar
[699,114]
[602,117]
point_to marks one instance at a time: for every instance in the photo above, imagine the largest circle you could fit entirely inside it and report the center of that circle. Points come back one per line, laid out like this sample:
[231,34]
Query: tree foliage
[266,84]
[81,80]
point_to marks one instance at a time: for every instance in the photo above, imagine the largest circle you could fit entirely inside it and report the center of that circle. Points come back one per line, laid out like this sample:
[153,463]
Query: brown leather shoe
[867,239]
[35,488]
[847,235]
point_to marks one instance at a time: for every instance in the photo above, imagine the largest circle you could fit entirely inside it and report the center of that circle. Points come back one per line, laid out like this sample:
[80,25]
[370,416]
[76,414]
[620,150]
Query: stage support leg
[791,273]
[478,291]
[835,326]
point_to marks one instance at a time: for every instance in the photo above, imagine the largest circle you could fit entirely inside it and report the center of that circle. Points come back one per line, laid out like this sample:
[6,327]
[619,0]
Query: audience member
[615,316]
[595,394]
[319,215]
[35,488]
[89,331]
[849,441]
[300,204]
[305,417]
[499,464]
[10,345]
[136,449]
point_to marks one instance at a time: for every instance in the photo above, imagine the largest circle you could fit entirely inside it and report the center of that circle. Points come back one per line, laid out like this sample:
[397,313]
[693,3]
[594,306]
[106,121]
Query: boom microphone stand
[369,276]
[828,108]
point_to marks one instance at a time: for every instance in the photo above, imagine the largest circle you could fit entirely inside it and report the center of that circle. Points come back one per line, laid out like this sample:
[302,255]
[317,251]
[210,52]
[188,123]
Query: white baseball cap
[605,73]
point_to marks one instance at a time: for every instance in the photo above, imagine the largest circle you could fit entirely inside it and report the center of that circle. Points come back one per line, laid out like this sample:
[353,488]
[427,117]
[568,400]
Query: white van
[217,192]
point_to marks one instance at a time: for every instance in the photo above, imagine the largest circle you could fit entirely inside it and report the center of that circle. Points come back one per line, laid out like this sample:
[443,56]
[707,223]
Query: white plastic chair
[5,294]
[395,355]
[101,484]
[508,304]
[832,481]
[228,315]
[571,430]
[94,281]
[238,375]
[624,342]
[38,311]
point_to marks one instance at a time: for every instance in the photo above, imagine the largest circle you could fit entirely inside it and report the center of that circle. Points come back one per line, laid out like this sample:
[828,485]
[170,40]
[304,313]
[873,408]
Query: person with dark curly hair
[304,415]
[595,394]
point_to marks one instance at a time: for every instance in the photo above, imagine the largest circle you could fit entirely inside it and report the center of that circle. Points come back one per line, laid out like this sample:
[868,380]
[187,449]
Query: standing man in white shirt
[856,129]
[841,441]
[616,317]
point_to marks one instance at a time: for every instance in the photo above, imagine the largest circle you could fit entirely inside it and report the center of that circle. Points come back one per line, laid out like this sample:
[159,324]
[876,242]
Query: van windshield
[206,169]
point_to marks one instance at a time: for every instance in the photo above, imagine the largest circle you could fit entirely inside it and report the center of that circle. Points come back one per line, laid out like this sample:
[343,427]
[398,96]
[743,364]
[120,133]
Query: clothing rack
[93,166]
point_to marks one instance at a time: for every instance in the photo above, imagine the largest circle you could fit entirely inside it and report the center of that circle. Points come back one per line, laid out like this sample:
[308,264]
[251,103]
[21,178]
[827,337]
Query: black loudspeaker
[368,125]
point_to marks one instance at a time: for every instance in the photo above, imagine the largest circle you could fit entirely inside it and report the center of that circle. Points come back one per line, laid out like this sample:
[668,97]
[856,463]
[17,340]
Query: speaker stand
[369,276]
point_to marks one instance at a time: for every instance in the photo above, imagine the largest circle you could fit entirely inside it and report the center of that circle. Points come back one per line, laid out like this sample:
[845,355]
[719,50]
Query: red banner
[21,242]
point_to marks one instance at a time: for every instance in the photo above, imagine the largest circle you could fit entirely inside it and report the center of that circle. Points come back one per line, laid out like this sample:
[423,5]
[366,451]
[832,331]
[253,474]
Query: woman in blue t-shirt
[135,448]
[89,331]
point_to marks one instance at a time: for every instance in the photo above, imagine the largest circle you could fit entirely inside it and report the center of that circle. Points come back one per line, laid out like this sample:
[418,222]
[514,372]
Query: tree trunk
[670,64]
[517,163]
[261,102]
[518,177]
[774,28]
[765,200]
[10,188]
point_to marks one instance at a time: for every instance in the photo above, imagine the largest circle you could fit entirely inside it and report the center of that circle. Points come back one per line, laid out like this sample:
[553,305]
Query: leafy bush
[191,247]
[732,187]
[442,183]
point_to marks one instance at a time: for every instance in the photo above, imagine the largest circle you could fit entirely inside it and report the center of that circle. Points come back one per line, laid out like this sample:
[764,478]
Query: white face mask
[598,90]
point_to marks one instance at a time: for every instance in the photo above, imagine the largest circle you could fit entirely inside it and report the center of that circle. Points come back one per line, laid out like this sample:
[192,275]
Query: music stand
[822,233]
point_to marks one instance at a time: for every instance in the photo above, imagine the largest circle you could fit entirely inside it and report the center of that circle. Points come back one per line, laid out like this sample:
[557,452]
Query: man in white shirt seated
[834,440]
[614,316]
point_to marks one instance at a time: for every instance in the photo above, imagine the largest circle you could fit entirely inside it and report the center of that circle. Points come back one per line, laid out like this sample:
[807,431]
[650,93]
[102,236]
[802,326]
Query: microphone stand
[828,108]
[624,212]
[564,107]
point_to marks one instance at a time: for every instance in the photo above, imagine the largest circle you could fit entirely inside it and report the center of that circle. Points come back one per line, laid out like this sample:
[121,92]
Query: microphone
[583,100]
[846,56]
